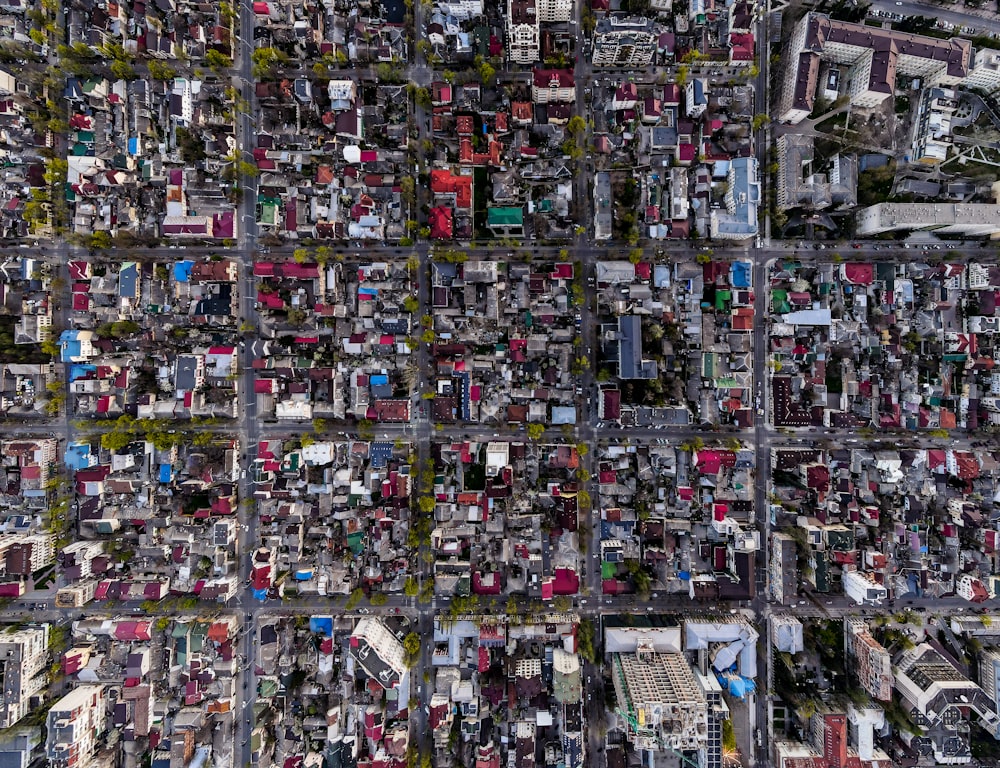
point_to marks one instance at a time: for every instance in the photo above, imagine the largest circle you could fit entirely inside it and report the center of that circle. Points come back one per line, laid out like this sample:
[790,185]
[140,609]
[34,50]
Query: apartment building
[550,86]
[800,184]
[876,57]
[23,660]
[930,685]
[625,41]
[75,723]
[23,554]
[524,19]
[872,663]
[378,652]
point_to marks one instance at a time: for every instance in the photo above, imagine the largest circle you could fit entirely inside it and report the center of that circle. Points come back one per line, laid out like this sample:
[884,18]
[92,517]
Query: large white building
[23,554]
[985,72]
[931,686]
[625,41]
[75,723]
[378,652]
[945,218]
[661,700]
[989,672]
[800,183]
[524,18]
[739,219]
[551,86]
[23,658]
[863,589]
[461,10]
[875,57]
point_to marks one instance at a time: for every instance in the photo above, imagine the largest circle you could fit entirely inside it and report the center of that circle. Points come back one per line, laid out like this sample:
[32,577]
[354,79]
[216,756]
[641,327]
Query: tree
[759,121]
[635,255]
[411,644]
[427,504]
[160,71]
[300,255]
[354,598]
[486,71]
[535,431]
[115,441]
[266,59]
[217,60]
[379,598]
[55,171]
[576,125]
[122,70]
[100,240]
[411,588]
[422,98]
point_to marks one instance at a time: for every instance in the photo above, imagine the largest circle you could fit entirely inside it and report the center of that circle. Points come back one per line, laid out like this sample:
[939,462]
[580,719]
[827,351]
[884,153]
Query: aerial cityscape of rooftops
[499,383]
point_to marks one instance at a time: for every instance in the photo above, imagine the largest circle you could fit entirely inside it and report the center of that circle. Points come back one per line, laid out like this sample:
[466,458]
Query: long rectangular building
[945,218]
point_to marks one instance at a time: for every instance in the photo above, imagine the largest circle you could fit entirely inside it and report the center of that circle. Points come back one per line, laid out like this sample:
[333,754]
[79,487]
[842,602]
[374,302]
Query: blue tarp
[182,271]
[165,473]
[80,371]
[304,575]
[684,575]
[322,625]
[736,685]
[260,594]
[77,456]
[378,379]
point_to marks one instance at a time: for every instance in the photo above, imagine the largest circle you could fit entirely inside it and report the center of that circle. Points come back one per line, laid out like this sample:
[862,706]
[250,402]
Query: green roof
[708,365]
[269,214]
[505,217]
[354,542]
[779,301]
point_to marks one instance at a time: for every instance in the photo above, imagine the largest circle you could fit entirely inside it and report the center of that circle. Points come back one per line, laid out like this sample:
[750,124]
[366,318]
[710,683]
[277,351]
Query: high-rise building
[937,695]
[863,589]
[625,41]
[876,57]
[23,661]
[784,575]
[74,724]
[660,700]
[378,652]
[524,18]
[872,663]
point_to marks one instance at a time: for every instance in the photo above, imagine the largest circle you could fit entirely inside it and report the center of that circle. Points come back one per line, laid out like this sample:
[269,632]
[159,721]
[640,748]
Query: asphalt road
[982,20]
